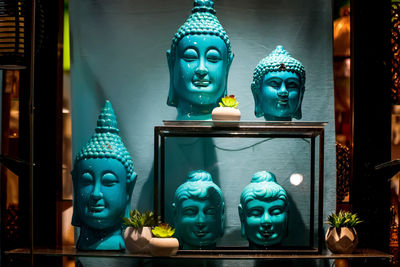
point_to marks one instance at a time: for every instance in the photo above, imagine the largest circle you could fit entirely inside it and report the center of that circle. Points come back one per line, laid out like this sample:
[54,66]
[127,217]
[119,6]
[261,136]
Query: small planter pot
[225,114]
[341,240]
[164,246]
[137,241]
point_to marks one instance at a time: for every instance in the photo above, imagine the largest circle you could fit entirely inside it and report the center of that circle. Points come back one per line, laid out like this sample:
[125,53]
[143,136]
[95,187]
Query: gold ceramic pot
[164,246]
[341,240]
[137,241]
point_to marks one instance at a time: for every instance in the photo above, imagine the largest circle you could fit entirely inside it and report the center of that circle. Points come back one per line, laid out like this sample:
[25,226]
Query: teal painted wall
[119,53]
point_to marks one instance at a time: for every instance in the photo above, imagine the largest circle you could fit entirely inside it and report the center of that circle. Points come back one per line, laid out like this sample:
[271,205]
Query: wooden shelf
[214,254]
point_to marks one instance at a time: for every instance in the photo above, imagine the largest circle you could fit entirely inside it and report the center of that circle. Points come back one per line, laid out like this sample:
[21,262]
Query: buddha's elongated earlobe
[257,108]
[172,100]
[242,220]
[298,114]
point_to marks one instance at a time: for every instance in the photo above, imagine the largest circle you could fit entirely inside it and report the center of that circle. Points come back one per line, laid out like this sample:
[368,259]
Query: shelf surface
[216,123]
[212,254]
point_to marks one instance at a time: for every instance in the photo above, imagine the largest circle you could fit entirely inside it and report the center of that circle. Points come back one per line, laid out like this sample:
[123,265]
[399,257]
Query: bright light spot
[296,179]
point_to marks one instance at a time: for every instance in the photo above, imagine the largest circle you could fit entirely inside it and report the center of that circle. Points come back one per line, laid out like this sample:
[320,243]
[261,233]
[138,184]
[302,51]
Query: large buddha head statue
[263,211]
[103,180]
[198,211]
[198,62]
[278,86]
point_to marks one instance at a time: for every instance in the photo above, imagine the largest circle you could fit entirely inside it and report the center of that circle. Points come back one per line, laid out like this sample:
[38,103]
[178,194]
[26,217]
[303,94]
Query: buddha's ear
[298,114]
[230,59]
[222,218]
[131,184]
[257,102]
[169,60]
[174,211]
[287,224]
[242,220]
[171,101]
[76,221]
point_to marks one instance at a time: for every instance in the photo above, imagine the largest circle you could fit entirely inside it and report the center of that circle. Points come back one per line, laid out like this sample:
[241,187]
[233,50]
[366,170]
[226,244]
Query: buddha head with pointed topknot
[198,209]
[199,62]
[263,211]
[103,178]
[278,86]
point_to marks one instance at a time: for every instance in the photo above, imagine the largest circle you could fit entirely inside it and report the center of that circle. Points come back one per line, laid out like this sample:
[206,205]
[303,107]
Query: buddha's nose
[266,219]
[200,220]
[201,69]
[283,92]
[96,193]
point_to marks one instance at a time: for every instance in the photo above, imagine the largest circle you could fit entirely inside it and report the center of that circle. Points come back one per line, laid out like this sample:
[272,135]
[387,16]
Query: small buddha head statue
[278,86]
[263,211]
[198,209]
[103,180]
[199,62]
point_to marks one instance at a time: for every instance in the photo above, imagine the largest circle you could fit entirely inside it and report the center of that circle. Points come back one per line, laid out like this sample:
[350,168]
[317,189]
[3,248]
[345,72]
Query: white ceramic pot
[137,241]
[164,246]
[341,240]
[225,114]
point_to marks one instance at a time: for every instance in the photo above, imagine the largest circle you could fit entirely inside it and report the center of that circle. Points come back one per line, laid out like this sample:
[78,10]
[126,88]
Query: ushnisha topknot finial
[203,6]
[263,185]
[106,143]
[263,176]
[199,175]
[201,21]
[107,121]
[277,60]
[197,183]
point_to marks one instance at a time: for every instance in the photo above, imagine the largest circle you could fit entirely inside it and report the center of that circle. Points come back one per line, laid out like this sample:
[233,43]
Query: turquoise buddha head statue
[198,209]
[278,86]
[103,180]
[199,62]
[263,211]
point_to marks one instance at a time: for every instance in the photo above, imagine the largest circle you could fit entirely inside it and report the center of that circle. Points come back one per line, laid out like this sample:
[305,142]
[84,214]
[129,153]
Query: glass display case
[293,151]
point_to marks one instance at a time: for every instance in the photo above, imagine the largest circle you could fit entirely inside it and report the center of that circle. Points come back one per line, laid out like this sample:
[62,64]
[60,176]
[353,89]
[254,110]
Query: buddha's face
[200,69]
[264,221]
[101,196]
[198,222]
[280,95]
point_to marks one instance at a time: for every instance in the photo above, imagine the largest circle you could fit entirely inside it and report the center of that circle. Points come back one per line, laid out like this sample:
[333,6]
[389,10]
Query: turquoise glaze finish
[199,62]
[198,212]
[263,211]
[278,86]
[103,180]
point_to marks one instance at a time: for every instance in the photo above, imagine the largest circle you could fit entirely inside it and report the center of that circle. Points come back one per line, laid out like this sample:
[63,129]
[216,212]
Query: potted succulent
[163,244]
[341,236]
[137,234]
[227,110]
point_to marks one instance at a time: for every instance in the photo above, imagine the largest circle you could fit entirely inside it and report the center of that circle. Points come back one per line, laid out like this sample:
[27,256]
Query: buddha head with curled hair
[278,86]
[199,62]
[198,211]
[263,211]
[103,179]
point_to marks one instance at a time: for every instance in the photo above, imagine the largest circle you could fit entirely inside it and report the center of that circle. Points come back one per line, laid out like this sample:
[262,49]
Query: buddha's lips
[283,101]
[200,233]
[97,208]
[201,83]
[266,234]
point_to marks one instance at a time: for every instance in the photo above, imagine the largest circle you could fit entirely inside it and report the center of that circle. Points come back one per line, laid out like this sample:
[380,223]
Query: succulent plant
[229,101]
[138,220]
[163,230]
[343,219]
